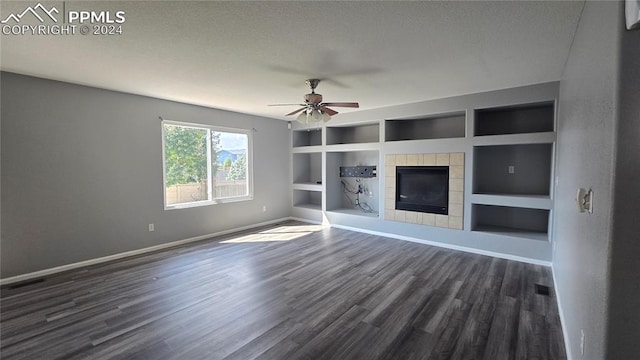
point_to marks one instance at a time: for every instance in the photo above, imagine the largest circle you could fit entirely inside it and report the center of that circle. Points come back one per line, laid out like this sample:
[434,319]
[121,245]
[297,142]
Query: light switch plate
[584,200]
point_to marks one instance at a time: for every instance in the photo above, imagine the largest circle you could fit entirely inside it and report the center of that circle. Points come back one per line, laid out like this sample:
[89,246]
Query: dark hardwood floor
[290,291]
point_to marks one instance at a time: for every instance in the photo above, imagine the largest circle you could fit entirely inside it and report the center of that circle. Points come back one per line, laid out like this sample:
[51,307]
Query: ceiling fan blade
[297,111]
[342,104]
[286,105]
[329,112]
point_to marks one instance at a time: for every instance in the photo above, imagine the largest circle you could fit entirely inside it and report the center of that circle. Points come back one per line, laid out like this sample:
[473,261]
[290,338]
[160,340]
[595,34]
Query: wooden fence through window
[181,193]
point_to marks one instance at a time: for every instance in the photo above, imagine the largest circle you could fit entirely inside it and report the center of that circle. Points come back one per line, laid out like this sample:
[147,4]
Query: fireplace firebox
[423,189]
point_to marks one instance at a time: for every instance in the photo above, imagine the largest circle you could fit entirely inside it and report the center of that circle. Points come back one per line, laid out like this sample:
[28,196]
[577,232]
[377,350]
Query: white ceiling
[242,56]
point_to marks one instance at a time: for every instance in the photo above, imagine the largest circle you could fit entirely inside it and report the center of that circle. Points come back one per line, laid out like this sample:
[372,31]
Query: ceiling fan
[313,109]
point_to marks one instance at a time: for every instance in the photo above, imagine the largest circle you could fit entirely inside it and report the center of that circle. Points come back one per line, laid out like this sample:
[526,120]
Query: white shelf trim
[543,202]
[307,149]
[375,146]
[515,139]
[307,186]
[354,212]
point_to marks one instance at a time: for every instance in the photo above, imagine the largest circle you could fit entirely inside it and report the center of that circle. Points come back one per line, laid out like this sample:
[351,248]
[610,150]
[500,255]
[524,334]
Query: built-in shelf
[356,134]
[306,137]
[307,199]
[511,232]
[306,150]
[307,168]
[355,212]
[519,169]
[353,147]
[430,127]
[529,118]
[307,186]
[513,139]
[309,206]
[525,201]
[511,221]
[424,146]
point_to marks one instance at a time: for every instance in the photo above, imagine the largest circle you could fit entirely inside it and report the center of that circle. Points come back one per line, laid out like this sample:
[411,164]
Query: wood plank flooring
[289,291]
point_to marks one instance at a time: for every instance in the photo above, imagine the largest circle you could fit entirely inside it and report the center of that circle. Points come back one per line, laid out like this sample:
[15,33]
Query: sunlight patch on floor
[282,233]
[294,228]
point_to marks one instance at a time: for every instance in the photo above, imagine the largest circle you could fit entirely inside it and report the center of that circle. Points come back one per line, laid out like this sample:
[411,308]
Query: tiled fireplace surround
[455,162]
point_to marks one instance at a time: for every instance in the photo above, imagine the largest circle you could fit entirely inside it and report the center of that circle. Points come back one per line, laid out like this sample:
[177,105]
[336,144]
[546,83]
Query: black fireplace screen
[423,189]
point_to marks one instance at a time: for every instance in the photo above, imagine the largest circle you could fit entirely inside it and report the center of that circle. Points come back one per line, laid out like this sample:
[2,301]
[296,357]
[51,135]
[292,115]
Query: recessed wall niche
[455,216]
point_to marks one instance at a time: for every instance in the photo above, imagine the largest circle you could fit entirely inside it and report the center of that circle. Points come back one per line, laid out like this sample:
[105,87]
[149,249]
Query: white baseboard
[306,220]
[57,269]
[448,246]
[565,333]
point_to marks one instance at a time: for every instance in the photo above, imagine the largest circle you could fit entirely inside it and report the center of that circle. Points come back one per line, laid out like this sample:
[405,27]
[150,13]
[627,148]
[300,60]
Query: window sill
[208,202]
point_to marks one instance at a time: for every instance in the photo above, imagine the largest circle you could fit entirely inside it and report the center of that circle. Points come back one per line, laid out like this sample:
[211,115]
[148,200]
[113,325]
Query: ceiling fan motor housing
[313,98]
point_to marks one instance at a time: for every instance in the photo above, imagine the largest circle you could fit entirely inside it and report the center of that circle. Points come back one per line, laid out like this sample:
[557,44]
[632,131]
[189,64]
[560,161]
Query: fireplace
[422,189]
[453,216]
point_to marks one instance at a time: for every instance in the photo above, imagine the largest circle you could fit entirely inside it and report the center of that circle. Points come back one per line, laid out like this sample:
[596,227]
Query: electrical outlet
[151,227]
[581,342]
[264,208]
[512,169]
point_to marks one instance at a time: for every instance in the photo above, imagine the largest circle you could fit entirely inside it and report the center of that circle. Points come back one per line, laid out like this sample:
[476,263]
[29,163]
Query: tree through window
[205,165]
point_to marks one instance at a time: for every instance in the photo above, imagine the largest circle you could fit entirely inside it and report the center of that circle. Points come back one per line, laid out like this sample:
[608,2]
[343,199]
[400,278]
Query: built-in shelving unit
[513,169]
[505,196]
[306,166]
[431,127]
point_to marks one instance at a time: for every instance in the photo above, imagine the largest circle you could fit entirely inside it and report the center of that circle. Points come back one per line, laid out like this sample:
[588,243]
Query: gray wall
[585,158]
[624,276]
[82,174]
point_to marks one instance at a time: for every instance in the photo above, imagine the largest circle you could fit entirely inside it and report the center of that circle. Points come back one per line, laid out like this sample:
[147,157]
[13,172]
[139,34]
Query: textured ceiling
[242,56]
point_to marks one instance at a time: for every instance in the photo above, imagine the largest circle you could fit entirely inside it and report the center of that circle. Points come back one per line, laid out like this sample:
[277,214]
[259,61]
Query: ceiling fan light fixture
[303,118]
[316,115]
[313,116]
[325,117]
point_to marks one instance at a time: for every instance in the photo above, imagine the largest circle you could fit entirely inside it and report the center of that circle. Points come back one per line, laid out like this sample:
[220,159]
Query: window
[205,165]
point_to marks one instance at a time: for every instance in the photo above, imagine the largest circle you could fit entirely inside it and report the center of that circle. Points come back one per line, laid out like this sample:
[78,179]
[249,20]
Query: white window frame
[211,200]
